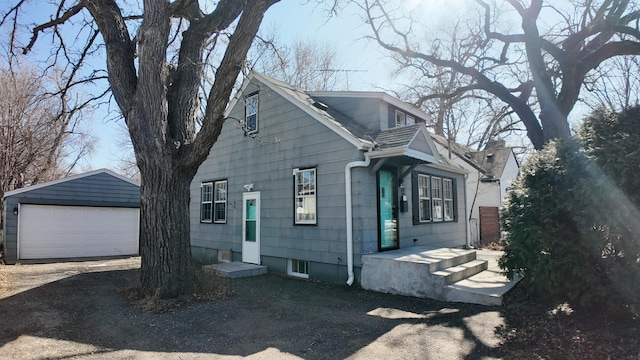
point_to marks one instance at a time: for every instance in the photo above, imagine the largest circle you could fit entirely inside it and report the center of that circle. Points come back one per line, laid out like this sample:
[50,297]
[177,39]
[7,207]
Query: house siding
[288,138]
[509,173]
[360,109]
[101,190]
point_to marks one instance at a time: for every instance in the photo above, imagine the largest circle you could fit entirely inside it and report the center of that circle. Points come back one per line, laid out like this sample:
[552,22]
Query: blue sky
[292,20]
[299,20]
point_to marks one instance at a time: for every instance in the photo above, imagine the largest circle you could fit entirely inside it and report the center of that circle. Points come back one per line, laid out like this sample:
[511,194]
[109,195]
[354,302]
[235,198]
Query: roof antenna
[346,71]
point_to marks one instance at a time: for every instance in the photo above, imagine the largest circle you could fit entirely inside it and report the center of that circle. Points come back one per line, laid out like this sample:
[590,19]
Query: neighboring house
[307,182]
[88,215]
[490,173]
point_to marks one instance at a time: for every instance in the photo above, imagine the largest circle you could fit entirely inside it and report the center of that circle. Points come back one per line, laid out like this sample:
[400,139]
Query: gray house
[307,183]
[88,215]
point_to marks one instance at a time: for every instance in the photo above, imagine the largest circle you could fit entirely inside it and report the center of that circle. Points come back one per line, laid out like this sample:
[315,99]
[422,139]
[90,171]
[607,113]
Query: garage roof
[70,178]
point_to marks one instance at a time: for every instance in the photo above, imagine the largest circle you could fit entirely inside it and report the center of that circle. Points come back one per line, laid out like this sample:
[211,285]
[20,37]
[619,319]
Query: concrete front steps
[234,269]
[445,274]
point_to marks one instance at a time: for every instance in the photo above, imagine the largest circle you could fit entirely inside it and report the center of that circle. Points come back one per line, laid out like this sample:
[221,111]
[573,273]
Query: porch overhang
[405,156]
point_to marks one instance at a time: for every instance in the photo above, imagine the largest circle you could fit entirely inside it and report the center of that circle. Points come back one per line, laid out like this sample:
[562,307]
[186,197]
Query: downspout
[349,212]
[467,227]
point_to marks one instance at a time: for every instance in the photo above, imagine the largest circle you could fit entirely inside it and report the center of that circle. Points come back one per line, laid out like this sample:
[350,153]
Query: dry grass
[538,330]
[5,283]
[210,288]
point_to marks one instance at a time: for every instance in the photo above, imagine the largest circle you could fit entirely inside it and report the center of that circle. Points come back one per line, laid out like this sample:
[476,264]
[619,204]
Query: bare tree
[307,64]
[156,65]
[538,71]
[40,134]
[615,84]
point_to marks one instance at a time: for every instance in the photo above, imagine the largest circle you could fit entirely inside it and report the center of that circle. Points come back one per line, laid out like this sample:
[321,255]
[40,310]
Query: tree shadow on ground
[87,315]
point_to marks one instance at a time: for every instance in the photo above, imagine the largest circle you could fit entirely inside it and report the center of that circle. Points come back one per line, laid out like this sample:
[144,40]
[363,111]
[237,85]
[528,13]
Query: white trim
[290,271]
[408,108]
[69,178]
[214,202]
[251,250]
[202,202]
[349,212]
[323,119]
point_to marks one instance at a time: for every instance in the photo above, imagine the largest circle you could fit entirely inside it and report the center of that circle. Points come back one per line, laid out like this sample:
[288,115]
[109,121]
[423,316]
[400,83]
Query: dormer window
[251,114]
[410,120]
[403,119]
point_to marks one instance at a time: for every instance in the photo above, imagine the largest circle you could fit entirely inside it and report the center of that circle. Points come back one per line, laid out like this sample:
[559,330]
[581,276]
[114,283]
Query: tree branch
[57,21]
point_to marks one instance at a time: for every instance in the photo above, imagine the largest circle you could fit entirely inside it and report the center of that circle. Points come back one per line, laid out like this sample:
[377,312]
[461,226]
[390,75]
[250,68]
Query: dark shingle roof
[492,160]
[395,137]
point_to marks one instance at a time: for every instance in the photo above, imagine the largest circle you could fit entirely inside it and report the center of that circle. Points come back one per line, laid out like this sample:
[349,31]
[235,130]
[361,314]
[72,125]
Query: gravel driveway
[76,310]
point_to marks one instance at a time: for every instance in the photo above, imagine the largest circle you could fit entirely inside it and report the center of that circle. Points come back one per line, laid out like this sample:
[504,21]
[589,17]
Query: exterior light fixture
[15,210]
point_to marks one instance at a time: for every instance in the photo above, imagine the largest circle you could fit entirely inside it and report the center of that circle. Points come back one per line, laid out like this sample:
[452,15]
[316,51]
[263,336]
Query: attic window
[489,157]
[251,114]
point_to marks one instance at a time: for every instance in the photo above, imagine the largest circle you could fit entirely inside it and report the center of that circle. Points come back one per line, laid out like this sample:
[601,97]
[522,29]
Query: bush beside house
[571,218]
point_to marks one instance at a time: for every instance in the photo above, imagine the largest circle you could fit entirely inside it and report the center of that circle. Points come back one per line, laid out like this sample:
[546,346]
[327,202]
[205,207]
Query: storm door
[387,210]
[251,227]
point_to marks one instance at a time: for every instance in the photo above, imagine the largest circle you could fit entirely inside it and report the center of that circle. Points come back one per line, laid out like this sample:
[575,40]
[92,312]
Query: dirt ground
[78,311]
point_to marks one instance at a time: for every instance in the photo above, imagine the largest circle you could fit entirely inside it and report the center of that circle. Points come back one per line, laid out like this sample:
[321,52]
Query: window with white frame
[436,198]
[251,114]
[206,201]
[298,268]
[220,202]
[447,195]
[424,198]
[305,196]
[433,199]
[401,118]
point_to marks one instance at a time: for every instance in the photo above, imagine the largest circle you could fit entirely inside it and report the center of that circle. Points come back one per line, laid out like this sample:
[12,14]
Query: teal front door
[387,210]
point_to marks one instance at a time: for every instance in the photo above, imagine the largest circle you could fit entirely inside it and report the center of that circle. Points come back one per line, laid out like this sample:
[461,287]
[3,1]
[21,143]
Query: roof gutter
[349,211]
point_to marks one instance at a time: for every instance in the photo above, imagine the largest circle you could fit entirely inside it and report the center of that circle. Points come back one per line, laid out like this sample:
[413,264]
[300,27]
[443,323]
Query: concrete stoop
[235,269]
[455,275]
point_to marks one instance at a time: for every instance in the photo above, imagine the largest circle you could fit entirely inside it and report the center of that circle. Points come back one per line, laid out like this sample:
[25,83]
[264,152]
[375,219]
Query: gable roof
[412,141]
[334,120]
[374,95]
[493,160]
[69,178]
[490,162]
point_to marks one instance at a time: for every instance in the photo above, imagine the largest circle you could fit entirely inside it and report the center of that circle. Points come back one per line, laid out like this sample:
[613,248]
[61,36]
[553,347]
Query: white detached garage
[88,215]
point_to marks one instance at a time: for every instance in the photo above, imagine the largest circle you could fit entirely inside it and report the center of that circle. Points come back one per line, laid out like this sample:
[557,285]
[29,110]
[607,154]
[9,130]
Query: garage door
[50,232]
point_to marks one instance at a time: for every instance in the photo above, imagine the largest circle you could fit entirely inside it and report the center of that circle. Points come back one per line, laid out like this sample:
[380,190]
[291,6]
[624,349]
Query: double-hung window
[424,198]
[447,194]
[433,199]
[213,202]
[436,197]
[251,114]
[305,196]
[220,202]
[206,201]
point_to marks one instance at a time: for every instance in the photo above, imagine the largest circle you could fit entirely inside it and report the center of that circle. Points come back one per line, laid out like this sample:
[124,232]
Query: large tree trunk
[167,269]
[554,123]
